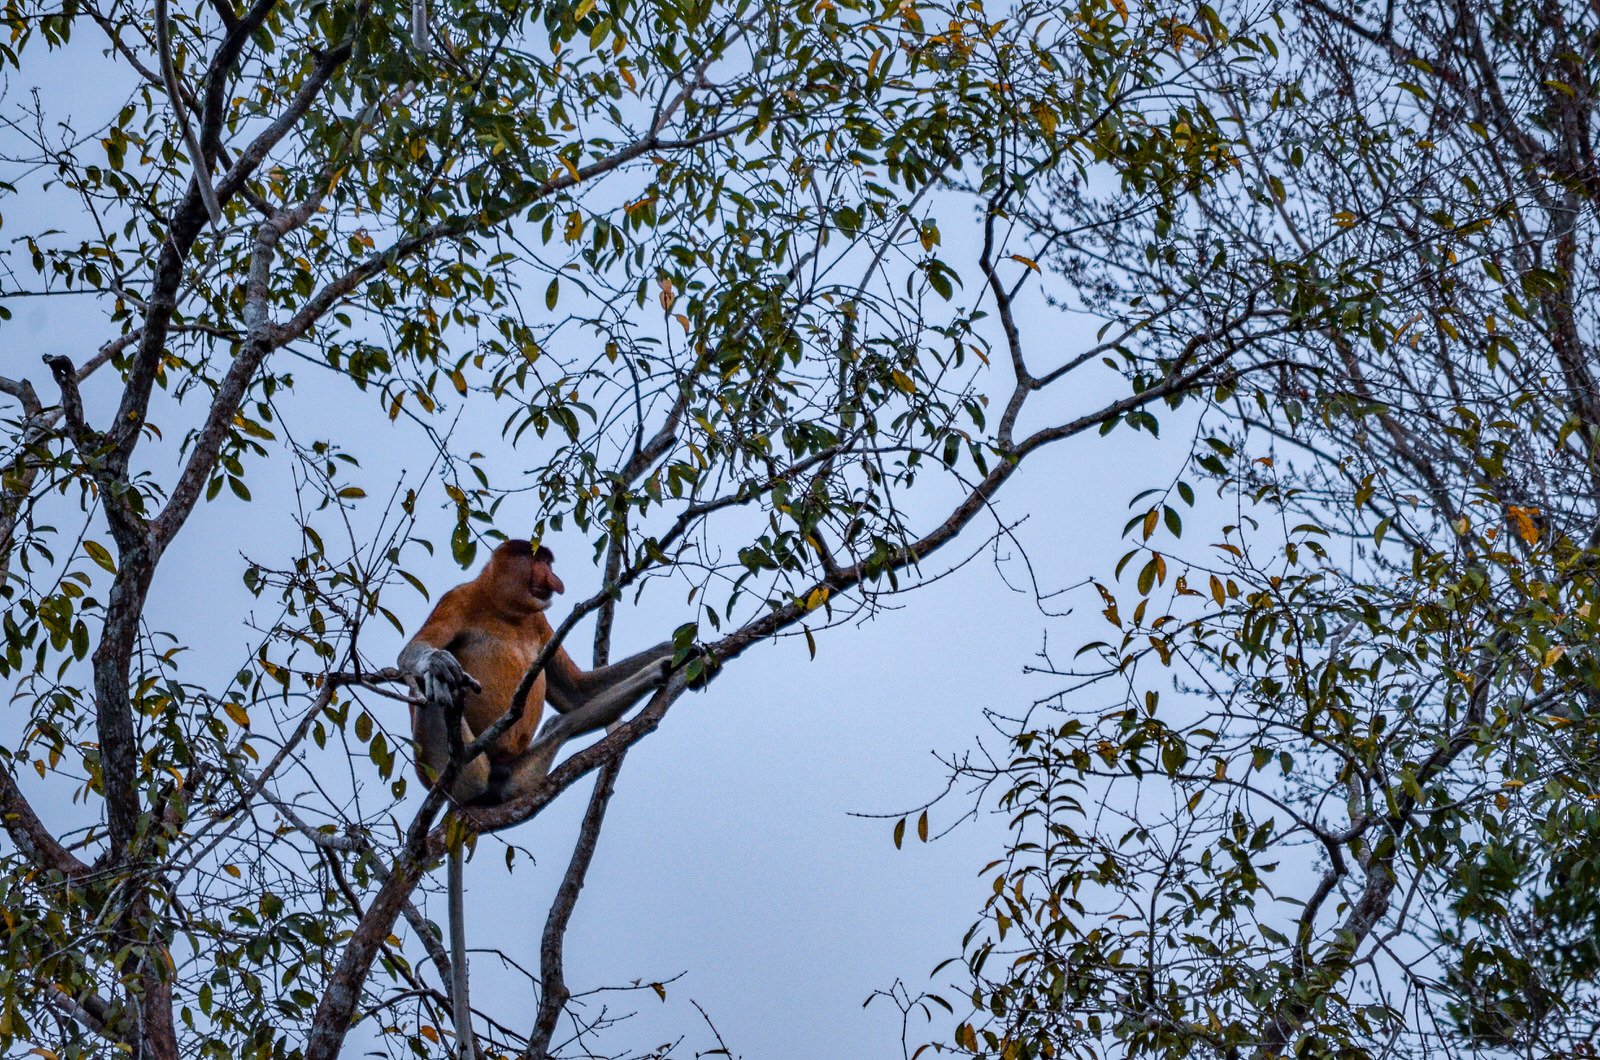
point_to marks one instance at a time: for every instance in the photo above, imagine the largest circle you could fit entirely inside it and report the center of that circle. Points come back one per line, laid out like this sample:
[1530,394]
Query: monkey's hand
[438,673]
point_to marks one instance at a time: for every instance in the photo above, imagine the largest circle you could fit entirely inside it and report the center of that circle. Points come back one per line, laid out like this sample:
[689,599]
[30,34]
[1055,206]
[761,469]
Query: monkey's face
[524,577]
[543,584]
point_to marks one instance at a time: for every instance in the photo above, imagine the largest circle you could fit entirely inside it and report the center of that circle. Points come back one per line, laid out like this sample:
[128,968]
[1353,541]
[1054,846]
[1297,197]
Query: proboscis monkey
[477,644]
[479,641]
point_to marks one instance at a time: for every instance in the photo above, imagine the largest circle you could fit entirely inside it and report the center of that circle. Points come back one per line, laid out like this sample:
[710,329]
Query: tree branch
[553,984]
[169,78]
[29,833]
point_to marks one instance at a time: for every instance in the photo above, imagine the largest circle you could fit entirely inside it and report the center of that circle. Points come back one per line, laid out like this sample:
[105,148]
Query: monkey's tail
[466,1046]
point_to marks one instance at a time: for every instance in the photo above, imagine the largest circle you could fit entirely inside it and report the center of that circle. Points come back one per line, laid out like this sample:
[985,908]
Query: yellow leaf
[903,381]
[237,713]
[232,870]
[817,597]
[1553,654]
[1523,517]
[1048,120]
[1122,8]
[100,555]
[572,170]
[1029,262]
[583,9]
[1181,31]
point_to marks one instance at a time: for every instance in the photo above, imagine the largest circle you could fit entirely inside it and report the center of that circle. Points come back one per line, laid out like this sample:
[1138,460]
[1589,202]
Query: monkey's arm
[441,679]
[428,658]
[568,688]
[593,700]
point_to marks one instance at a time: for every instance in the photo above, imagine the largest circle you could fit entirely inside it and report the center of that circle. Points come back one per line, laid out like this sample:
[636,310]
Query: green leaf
[1147,577]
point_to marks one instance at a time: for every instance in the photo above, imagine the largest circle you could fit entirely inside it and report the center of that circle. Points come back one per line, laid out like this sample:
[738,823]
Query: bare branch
[169,78]
[554,993]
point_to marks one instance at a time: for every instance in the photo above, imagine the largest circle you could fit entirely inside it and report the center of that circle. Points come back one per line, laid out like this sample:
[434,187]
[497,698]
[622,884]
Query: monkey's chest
[498,659]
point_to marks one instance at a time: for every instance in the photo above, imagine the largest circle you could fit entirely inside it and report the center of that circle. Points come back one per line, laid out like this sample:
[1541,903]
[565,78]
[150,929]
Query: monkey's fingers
[441,688]
[436,693]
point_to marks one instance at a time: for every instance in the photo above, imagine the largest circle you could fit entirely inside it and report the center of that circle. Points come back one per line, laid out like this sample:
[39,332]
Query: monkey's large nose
[555,583]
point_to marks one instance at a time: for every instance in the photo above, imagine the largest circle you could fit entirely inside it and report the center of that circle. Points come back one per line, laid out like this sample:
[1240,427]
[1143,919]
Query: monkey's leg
[617,671]
[650,665]
[524,772]
[604,706]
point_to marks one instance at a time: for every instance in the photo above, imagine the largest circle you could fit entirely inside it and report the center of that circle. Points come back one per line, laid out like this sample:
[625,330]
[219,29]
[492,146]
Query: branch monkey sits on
[479,641]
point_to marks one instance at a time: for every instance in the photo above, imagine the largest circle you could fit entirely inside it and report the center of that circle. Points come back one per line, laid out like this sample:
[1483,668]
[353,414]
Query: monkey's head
[523,576]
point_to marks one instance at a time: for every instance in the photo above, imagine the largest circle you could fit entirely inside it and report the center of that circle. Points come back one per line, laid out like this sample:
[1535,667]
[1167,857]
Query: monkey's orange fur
[495,626]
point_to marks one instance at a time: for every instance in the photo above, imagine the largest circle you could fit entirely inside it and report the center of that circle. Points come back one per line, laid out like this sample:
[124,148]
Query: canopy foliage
[1329,787]
[715,273]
